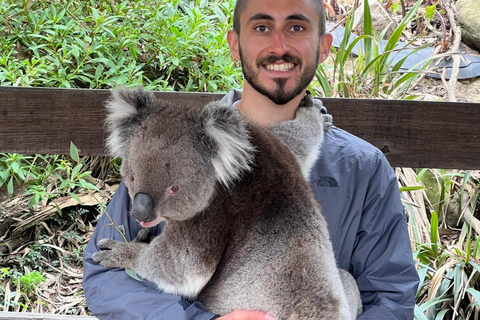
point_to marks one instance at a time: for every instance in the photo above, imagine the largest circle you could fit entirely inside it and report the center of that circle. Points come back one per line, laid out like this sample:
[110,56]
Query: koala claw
[143,236]
[114,254]
[107,244]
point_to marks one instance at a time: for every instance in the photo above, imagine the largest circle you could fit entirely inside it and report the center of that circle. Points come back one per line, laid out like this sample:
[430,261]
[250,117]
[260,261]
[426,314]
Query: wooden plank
[417,134]
[411,133]
[45,120]
[40,316]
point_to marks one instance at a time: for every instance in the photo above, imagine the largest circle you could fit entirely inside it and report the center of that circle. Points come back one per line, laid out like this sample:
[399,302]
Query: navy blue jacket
[359,196]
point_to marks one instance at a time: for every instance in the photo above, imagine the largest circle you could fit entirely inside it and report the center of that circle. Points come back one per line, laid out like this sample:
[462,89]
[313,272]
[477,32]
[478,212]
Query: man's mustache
[274,58]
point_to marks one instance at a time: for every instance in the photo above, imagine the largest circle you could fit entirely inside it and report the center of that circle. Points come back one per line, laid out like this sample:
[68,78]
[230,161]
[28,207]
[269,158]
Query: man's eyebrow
[260,16]
[300,17]
[264,16]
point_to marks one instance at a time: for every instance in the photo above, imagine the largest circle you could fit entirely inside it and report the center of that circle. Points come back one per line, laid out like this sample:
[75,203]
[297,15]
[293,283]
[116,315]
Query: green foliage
[30,280]
[26,285]
[372,73]
[448,268]
[164,45]
[45,177]
[14,168]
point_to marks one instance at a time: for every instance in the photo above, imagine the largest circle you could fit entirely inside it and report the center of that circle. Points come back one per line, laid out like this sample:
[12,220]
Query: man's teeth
[280,67]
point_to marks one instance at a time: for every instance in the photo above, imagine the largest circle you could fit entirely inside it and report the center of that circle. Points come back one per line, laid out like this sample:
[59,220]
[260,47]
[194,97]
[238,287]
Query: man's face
[279,47]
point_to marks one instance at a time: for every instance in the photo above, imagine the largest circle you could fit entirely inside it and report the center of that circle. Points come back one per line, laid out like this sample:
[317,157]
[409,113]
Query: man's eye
[262,29]
[297,28]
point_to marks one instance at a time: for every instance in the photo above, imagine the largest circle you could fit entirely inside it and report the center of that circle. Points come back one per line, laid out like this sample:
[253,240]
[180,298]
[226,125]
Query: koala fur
[303,135]
[243,229]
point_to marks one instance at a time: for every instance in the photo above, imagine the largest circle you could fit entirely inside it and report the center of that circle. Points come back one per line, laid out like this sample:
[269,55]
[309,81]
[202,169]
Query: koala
[242,227]
[304,134]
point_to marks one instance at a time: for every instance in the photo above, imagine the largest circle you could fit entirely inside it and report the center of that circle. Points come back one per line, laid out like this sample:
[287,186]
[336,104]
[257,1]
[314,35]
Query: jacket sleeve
[111,293]
[382,259]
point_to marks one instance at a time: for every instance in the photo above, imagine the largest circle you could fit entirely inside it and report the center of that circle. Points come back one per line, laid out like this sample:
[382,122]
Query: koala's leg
[304,135]
[175,265]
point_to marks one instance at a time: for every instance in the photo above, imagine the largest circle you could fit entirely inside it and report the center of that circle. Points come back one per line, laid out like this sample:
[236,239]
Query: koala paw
[143,236]
[115,254]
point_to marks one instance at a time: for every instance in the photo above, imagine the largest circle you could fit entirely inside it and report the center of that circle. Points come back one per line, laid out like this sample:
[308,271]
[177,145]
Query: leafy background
[49,203]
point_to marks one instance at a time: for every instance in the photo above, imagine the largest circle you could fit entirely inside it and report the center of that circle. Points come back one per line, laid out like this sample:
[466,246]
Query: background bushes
[163,45]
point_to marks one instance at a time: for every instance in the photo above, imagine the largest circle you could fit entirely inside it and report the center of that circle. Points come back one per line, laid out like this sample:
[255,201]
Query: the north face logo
[325,181]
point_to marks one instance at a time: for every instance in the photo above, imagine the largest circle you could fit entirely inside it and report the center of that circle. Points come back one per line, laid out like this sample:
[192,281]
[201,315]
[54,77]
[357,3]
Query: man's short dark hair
[241,4]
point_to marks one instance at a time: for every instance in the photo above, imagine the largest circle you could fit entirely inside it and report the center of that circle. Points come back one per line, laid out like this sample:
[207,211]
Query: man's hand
[247,315]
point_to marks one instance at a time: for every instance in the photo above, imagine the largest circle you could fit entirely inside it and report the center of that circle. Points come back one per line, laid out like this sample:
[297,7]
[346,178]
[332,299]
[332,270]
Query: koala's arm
[111,293]
[175,261]
[304,134]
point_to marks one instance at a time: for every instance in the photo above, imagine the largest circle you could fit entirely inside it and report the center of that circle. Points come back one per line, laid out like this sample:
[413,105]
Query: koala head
[173,157]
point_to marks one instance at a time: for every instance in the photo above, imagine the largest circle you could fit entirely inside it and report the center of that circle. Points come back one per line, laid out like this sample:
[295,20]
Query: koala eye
[172,190]
[132,178]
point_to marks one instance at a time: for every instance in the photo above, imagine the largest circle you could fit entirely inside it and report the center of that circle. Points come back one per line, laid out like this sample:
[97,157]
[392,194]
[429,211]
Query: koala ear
[126,109]
[226,141]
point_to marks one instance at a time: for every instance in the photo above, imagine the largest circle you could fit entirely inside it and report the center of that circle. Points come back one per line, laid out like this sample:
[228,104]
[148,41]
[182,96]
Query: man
[280,43]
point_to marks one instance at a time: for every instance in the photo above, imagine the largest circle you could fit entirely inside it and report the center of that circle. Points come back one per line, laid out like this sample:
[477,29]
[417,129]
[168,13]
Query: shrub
[163,45]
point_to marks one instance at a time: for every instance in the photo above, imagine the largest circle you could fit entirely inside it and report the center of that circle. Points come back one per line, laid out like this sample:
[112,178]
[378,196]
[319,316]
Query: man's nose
[279,45]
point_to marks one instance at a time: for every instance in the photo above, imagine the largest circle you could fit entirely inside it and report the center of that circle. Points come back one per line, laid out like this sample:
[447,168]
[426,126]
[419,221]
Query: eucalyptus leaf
[133,274]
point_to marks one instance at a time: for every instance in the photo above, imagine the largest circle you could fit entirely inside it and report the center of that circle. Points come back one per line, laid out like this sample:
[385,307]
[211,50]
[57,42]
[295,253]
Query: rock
[381,18]
[467,18]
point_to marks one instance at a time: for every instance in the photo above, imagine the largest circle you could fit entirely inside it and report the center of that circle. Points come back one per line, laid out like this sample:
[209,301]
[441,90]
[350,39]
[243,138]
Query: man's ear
[325,45]
[232,39]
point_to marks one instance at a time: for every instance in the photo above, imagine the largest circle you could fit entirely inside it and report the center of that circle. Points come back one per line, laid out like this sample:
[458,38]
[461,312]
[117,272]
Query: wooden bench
[414,134]
[39,316]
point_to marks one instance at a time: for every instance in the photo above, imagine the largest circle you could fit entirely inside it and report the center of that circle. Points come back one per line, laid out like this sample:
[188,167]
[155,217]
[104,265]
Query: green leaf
[457,280]
[91,186]
[100,60]
[434,231]
[133,274]
[441,314]
[468,250]
[419,314]
[64,184]
[77,169]
[476,266]
[74,196]
[74,152]
[213,85]
[430,304]
[121,230]
[175,60]
[322,77]
[367,30]
[10,186]
[475,294]
[430,12]
[414,188]
[422,273]
[59,210]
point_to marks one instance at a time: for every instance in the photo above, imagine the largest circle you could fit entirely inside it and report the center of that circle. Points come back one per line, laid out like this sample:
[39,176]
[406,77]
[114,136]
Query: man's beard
[280,95]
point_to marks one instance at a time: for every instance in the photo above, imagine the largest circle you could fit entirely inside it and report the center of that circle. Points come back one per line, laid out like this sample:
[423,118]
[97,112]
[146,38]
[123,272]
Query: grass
[373,72]
[448,262]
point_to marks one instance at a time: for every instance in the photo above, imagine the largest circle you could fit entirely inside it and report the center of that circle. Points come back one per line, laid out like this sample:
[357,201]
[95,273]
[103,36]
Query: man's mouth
[280,67]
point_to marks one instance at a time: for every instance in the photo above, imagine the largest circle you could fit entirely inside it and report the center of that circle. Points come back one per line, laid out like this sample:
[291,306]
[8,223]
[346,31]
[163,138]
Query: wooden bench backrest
[414,134]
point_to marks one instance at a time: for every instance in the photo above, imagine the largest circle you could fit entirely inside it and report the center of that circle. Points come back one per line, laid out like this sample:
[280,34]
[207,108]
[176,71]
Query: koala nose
[143,208]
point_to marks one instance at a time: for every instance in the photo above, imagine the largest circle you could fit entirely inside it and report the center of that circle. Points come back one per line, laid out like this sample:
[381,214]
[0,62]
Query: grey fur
[304,134]
[253,241]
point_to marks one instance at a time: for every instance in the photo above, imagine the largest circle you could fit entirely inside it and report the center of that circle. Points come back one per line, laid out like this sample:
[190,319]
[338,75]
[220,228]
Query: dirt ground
[430,89]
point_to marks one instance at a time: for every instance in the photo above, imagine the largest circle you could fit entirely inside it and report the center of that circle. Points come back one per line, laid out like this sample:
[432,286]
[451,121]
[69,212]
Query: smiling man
[280,43]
